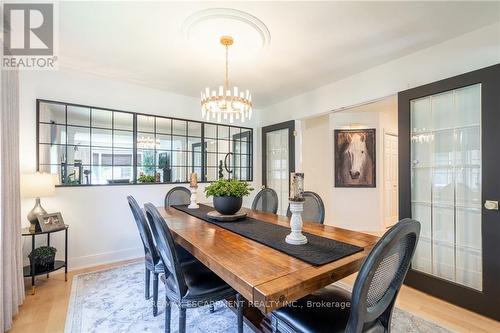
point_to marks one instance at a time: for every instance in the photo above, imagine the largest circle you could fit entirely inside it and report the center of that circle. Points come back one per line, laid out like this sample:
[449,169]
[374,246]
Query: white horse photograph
[354,158]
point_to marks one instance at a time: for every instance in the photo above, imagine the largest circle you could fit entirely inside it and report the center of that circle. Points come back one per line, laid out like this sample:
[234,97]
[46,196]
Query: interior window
[94,146]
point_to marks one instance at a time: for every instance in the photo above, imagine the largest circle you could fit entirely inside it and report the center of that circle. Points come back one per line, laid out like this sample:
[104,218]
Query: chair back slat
[314,209]
[166,248]
[178,196]
[144,230]
[381,276]
[266,200]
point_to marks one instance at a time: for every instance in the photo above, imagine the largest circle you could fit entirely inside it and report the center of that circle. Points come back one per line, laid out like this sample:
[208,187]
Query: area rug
[112,301]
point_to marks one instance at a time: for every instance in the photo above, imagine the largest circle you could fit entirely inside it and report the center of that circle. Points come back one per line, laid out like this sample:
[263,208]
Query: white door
[390,179]
[277,156]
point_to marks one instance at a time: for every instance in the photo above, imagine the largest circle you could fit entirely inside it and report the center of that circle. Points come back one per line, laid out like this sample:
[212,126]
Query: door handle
[491,205]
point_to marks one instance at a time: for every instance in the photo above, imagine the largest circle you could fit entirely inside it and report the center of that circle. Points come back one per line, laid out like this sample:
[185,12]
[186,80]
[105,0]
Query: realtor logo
[28,36]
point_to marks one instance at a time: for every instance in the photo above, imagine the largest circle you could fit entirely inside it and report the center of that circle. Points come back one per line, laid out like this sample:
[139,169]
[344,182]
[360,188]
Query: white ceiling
[312,43]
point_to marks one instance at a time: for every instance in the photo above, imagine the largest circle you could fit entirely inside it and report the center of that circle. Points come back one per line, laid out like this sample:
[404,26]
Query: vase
[43,264]
[227,205]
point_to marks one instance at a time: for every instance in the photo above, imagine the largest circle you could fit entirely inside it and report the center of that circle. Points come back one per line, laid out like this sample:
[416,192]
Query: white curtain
[11,261]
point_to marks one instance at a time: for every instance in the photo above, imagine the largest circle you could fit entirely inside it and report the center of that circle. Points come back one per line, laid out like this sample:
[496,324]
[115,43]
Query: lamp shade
[37,185]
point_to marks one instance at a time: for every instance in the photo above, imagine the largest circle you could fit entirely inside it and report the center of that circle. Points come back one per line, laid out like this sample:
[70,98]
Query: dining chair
[188,285]
[314,209]
[151,257]
[369,307]
[178,195]
[266,200]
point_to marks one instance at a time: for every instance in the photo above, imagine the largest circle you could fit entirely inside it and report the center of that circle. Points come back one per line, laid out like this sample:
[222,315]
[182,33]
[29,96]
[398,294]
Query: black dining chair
[151,257]
[266,200]
[178,195]
[314,209]
[188,285]
[372,299]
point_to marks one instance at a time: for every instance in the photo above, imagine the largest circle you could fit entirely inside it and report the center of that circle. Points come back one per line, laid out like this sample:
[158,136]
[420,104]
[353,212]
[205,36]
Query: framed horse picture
[355,158]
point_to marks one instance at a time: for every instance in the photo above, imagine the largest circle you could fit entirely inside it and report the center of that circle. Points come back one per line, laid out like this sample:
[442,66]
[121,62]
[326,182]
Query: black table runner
[318,250]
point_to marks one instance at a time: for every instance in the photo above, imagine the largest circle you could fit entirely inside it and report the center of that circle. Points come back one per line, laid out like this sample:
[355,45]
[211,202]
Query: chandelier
[147,142]
[227,103]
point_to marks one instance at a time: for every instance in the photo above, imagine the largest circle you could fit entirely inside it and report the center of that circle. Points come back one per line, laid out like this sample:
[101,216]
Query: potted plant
[228,195]
[43,257]
[146,178]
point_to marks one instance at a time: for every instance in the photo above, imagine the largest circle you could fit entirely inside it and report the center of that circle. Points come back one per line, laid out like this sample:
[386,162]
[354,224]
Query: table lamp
[37,185]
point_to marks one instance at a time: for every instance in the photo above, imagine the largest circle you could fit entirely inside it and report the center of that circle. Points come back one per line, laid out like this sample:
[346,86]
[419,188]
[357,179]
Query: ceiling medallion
[227,103]
[228,14]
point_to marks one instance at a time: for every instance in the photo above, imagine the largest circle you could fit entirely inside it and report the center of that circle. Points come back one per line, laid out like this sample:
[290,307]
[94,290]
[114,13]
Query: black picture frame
[51,222]
[366,176]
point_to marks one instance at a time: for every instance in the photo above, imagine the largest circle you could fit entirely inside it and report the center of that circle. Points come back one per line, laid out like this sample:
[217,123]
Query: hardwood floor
[45,312]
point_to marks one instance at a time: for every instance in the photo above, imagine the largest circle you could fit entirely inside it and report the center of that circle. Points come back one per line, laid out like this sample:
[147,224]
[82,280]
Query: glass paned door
[446,184]
[278,155]
[277,166]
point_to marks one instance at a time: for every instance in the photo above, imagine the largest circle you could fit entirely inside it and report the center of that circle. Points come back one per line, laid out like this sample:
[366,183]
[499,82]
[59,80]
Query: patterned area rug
[112,301]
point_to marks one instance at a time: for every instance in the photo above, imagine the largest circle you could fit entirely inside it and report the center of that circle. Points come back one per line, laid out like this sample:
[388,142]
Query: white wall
[315,152]
[474,50]
[351,208]
[101,225]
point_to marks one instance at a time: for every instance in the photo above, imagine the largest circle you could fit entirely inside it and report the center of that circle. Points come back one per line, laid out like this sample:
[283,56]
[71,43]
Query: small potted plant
[43,257]
[146,178]
[228,195]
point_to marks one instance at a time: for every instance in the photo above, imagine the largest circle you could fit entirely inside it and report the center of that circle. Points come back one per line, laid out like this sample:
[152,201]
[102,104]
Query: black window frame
[188,166]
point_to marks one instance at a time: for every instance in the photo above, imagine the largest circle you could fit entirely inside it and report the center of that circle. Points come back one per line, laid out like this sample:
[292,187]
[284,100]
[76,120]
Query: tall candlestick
[193,204]
[295,237]
[194,180]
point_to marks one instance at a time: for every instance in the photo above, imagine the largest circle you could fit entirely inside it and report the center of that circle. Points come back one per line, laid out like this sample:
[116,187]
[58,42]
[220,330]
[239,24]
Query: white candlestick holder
[296,237]
[193,204]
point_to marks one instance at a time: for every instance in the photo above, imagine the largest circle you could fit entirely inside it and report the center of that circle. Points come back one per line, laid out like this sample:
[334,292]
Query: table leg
[32,266]
[48,244]
[66,255]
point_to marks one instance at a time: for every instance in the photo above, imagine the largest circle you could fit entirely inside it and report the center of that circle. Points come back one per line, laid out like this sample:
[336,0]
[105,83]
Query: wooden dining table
[265,277]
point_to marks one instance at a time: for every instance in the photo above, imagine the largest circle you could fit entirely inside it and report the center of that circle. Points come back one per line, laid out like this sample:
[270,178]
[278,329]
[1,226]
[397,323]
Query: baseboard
[92,260]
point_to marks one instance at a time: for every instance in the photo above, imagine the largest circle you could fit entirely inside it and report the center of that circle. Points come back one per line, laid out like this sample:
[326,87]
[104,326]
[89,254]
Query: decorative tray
[226,218]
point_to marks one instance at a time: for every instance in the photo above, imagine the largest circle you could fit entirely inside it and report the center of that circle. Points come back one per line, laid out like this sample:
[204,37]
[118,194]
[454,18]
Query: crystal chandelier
[147,142]
[227,103]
